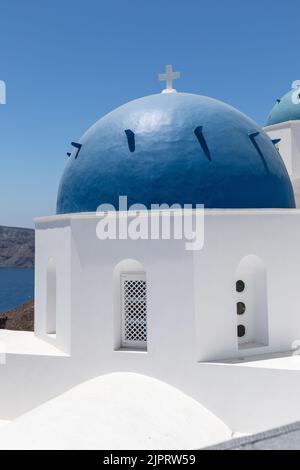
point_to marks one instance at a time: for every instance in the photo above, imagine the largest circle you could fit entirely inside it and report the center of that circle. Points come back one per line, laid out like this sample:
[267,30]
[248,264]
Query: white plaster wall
[191,294]
[170,301]
[253,273]
[248,399]
[289,149]
[296,188]
[53,242]
[191,315]
[230,236]
[295,145]
[283,131]
[117,411]
[127,266]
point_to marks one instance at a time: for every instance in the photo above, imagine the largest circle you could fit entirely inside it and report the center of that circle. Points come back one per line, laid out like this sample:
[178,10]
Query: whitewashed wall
[271,235]
[191,315]
[54,243]
[191,294]
[289,149]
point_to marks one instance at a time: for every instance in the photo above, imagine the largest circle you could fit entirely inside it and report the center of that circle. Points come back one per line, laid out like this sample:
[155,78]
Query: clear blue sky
[68,62]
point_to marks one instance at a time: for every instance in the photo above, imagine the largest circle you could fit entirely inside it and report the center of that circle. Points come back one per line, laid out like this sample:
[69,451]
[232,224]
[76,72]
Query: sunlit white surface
[116,411]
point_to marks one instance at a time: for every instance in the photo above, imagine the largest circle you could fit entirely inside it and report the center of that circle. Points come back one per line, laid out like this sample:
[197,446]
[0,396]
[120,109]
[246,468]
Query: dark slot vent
[240,308]
[201,139]
[276,141]
[130,139]
[77,146]
[240,286]
[241,331]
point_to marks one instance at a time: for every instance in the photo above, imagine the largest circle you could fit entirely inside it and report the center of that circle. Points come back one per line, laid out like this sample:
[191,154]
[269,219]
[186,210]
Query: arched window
[131,304]
[251,302]
[51,298]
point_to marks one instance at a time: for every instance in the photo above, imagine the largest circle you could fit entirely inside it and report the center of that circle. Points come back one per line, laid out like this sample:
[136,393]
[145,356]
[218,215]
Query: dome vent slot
[201,139]
[252,136]
[130,139]
[78,147]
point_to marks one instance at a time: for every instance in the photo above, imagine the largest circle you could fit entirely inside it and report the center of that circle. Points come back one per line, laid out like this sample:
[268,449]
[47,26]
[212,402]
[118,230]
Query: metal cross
[169,76]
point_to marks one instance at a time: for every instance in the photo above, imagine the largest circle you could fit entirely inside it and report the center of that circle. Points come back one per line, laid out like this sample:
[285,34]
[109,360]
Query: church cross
[169,76]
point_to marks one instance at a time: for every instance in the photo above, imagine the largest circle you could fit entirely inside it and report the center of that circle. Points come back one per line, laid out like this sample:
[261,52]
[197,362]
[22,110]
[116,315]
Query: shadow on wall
[51,297]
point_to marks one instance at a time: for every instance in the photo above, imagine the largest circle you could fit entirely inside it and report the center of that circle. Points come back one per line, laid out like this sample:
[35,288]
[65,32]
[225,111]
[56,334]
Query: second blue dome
[287,108]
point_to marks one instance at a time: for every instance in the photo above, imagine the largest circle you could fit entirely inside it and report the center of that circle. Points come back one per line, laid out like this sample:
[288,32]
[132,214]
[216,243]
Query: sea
[16,287]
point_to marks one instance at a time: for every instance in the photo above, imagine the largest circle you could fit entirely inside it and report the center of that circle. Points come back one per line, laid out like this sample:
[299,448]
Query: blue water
[16,287]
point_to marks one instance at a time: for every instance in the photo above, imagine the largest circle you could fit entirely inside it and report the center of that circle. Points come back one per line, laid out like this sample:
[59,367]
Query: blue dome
[175,148]
[286,109]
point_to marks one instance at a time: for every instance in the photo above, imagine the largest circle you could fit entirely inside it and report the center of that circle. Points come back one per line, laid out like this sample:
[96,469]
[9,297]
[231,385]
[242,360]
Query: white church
[139,342]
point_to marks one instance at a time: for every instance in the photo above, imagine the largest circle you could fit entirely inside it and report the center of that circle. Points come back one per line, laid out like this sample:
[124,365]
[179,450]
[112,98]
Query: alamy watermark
[162,222]
[2,92]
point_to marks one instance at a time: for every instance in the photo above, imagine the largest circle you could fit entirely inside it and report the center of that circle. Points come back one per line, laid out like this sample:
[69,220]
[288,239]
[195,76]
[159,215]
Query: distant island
[17,251]
[20,318]
[16,247]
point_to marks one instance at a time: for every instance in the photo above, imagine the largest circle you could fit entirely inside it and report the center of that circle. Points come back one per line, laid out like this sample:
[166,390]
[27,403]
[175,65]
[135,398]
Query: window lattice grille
[135,310]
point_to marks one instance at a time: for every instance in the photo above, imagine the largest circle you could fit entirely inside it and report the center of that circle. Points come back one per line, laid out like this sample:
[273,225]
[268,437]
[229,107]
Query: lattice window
[134,310]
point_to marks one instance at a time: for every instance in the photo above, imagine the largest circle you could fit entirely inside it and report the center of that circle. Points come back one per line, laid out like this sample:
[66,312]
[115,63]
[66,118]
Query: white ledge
[25,342]
[67,218]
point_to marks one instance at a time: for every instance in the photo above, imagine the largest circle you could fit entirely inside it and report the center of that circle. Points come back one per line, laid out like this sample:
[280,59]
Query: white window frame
[125,343]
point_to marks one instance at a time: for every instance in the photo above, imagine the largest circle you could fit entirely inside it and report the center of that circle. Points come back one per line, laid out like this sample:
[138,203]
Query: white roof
[116,411]
[25,342]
